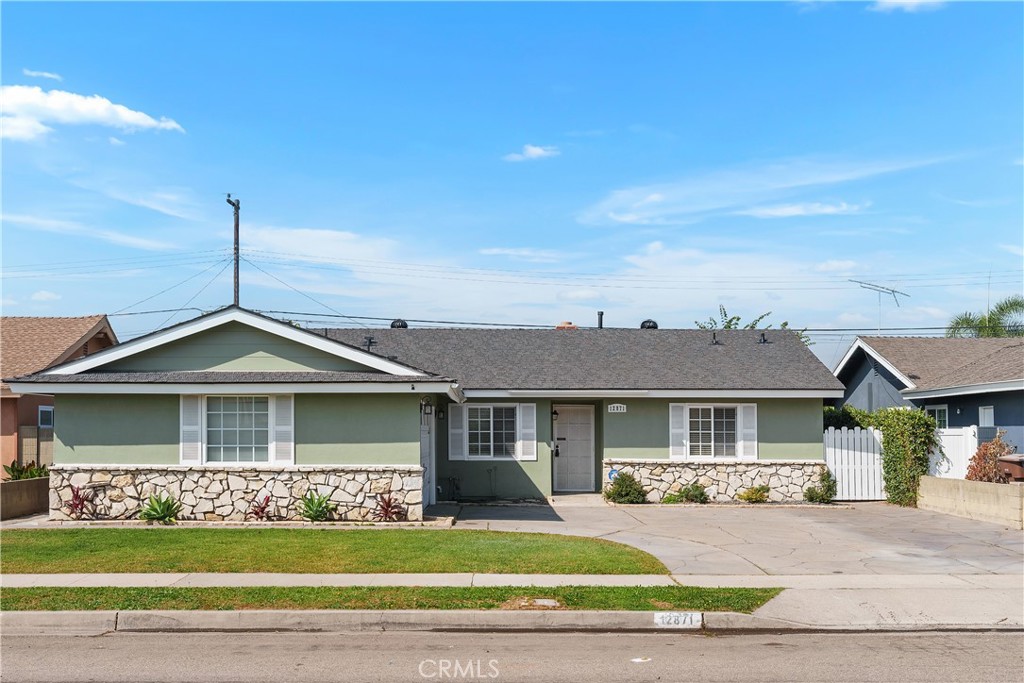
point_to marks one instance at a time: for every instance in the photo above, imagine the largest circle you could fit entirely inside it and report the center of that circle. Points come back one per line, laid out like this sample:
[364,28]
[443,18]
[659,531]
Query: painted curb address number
[678,619]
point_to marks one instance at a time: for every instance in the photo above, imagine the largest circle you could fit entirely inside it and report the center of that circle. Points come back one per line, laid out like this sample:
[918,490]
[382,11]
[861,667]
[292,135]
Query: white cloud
[905,5]
[27,110]
[116,142]
[835,266]
[71,228]
[42,74]
[805,209]
[524,254]
[579,295]
[853,319]
[6,301]
[1014,249]
[532,152]
[731,190]
[44,295]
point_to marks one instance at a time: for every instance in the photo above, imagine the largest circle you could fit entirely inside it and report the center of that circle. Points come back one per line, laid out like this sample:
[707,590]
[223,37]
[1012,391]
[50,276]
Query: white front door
[574,448]
[427,458]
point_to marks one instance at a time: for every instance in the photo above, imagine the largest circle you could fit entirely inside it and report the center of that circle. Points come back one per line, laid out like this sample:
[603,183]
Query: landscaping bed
[314,551]
[389,598]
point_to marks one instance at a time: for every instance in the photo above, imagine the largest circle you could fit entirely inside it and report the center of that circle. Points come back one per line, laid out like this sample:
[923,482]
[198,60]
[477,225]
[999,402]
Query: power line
[164,291]
[203,289]
[91,262]
[75,274]
[299,291]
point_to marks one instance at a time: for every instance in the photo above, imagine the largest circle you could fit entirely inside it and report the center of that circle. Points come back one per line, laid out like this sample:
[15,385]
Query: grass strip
[314,551]
[386,598]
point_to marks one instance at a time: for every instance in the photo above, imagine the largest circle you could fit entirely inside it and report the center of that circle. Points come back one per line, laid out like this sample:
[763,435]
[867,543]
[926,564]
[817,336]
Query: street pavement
[510,657]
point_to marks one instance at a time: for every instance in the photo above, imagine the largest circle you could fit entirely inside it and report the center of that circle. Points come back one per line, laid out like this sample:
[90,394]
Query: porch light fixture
[554,415]
[440,414]
[426,406]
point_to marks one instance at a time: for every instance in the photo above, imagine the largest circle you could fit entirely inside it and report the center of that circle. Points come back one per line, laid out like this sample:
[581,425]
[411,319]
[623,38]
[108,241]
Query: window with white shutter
[710,432]
[526,449]
[191,419]
[284,430]
[456,432]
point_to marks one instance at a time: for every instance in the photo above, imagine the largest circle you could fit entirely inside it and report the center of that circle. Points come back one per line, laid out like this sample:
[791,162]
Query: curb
[254,621]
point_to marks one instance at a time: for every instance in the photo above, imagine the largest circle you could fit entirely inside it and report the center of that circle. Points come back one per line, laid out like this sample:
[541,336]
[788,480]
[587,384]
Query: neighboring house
[29,345]
[233,406]
[959,381]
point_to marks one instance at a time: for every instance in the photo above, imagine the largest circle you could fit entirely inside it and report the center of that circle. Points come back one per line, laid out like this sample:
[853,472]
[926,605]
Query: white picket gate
[959,445]
[855,458]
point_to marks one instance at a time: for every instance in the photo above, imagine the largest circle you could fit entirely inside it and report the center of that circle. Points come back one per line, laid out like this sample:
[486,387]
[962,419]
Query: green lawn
[314,551]
[384,598]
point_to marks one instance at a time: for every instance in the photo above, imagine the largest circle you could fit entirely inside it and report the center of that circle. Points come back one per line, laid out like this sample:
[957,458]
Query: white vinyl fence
[855,458]
[958,446]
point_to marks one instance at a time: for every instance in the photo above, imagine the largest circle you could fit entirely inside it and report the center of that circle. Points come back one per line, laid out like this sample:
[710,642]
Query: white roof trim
[224,317]
[986,388]
[655,393]
[236,388]
[861,344]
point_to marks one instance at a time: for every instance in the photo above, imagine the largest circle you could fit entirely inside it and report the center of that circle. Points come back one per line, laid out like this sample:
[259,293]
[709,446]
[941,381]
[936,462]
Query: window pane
[213,454]
[213,420]
[213,437]
[260,403]
[213,403]
[261,454]
[261,420]
[230,404]
[245,437]
[261,437]
[230,420]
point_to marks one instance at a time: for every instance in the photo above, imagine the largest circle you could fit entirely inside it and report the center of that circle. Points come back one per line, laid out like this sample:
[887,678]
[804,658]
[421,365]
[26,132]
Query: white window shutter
[747,431]
[191,451]
[456,431]
[677,427]
[284,430]
[526,449]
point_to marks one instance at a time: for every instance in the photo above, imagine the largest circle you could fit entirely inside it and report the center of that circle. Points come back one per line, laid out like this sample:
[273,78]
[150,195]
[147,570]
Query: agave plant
[162,509]
[316,508]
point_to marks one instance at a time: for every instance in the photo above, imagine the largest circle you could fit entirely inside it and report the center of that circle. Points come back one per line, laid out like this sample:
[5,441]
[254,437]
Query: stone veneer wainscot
[226,494]
[787,479]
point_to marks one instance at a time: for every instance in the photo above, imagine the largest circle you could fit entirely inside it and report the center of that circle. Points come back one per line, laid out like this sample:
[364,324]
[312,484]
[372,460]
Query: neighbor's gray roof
[208,377]
[938,363]
[603,358]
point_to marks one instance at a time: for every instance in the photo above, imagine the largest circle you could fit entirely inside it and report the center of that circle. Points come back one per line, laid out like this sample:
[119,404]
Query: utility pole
[237,204]
[882,290]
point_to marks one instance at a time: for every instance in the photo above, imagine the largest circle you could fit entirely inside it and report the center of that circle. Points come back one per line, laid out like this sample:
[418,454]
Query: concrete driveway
[865,539]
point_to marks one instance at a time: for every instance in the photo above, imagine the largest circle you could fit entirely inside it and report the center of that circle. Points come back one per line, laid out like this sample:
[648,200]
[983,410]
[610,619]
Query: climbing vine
[908,436]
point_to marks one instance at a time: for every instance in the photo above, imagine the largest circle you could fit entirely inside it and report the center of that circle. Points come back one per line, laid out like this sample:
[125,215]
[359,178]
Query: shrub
[162,509]
[316,508]
[692,493]
[625,489]
[756,494]
[823,493]
[847,416]
[983,465]
[388,509]
[259,510]
[81,502]
[908,436]
[17,471]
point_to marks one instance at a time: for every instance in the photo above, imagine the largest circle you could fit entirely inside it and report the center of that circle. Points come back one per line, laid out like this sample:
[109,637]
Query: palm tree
[1005,319]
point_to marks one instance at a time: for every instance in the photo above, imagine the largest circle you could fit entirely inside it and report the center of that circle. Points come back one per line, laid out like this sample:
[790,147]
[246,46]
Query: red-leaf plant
[260,510]
[388,509]
[81,501]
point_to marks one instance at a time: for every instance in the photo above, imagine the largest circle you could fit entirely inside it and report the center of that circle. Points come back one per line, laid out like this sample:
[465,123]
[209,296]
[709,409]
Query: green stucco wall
[329,430]
[234,347]
[787,428]
[500,478]
[357,429]
[125,430]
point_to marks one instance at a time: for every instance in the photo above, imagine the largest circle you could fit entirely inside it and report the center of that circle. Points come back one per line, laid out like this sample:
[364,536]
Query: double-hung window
[499,431]
[941,415]
[237,429]
[492,431]
[707,432]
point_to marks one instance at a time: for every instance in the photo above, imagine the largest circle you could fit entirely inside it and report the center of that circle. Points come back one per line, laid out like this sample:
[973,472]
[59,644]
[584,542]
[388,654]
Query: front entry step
[577,500]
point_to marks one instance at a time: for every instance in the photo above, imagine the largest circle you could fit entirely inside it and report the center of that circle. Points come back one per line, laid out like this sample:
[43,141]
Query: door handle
[559,438]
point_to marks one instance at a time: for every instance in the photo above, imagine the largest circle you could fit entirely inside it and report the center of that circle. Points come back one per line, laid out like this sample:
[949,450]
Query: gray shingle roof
[938,363]
[604,358]
[206,377]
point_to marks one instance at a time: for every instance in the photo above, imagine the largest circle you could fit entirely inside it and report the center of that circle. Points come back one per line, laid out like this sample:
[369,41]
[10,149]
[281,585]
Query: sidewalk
[870,602]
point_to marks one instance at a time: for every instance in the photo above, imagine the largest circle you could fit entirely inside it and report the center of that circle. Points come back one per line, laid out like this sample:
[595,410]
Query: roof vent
[714,339]
[566,325]
[649,325]
[763,339]
[399,324]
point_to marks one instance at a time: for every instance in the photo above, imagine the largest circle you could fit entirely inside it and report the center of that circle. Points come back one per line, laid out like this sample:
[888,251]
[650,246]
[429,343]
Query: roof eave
[966,389]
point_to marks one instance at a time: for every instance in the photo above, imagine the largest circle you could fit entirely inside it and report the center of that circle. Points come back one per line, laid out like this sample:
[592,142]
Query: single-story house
[234,406]
[959,381]
[31,344]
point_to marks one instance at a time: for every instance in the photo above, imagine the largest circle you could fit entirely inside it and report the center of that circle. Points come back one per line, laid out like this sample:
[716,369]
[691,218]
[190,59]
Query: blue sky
[515,163]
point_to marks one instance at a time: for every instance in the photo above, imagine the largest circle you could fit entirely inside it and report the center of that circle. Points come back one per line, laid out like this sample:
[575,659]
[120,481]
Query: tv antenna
[882,290]
[237,204]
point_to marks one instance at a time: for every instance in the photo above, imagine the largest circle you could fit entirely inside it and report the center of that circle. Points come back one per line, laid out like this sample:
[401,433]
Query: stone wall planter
[787,479]
[226,494]
[22,497]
